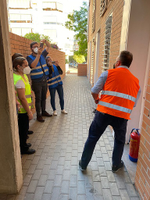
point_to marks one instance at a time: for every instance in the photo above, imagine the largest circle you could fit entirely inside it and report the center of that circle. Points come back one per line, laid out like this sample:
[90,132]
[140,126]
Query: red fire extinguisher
[134,145]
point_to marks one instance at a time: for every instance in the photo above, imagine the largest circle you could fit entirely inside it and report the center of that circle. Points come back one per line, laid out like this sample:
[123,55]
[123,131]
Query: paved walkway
[52,173]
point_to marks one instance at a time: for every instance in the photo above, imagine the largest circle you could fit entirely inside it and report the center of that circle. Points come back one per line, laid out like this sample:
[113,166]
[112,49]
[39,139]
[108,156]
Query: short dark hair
[18,61]
[47,58]
[32,43]
[126,58]
[15,55]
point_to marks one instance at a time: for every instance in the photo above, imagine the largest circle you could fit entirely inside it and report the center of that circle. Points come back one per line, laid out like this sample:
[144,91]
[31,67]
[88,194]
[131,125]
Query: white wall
[138,44]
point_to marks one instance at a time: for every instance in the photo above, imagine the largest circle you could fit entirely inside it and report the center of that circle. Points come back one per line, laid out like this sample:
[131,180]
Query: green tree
[78,23]
[36,37]
[33,36]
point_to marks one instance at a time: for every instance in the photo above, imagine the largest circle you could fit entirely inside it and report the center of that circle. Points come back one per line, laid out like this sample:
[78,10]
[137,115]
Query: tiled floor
[52,173]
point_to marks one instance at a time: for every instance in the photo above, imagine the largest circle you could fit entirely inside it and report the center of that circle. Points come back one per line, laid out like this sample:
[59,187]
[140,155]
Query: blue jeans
[98,126]
[60,92]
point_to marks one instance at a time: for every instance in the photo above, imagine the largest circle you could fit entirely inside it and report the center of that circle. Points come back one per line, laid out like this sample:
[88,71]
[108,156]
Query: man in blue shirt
[39,74]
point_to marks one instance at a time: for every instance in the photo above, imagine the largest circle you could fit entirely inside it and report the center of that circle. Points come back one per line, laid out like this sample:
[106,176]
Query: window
[49,19]
[51,33]
[92,63]
[107,43]
[26,30]
[16,31]
[59,6]
[19,17]
[103,7]
[19,4]
[93,15]
[51,5]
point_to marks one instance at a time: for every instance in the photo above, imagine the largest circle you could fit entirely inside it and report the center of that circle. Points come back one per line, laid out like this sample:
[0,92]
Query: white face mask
[27,70]
[35,50]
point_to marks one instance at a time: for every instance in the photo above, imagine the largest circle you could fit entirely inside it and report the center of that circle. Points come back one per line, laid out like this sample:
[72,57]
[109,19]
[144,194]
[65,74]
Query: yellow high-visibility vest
[18,77]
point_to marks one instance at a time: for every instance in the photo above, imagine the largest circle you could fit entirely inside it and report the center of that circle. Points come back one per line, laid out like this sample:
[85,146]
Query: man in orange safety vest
[120,91]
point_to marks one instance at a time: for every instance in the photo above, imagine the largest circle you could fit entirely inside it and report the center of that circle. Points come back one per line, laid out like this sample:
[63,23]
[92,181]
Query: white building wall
[36,20]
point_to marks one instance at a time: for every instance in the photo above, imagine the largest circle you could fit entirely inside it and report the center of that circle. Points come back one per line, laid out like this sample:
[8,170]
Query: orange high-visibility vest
[119,93]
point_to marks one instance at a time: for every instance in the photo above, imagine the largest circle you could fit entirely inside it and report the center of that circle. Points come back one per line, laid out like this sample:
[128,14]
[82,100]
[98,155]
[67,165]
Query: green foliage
[66,61]
[46,37]
[33,36]
[36,37]
[79,58]
[71,59]
[54,46]
[78,23]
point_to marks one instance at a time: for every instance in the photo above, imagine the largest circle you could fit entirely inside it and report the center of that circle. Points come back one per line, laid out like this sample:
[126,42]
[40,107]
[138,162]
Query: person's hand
[56,63]
[18,105]
[43,40]
[30,115]
[96,101]
[40,51]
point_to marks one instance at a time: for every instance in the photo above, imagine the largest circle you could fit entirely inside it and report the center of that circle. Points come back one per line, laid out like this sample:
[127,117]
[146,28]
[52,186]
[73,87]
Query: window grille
[107,43]
[92,64]
[93,15]
[103,7]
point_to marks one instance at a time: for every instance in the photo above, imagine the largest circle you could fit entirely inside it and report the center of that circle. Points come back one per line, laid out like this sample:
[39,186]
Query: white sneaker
[55,113]
[64,112]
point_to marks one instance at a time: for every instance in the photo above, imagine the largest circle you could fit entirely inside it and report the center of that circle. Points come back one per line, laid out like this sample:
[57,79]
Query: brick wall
[142,179]
[116,9]
[22,45]
[82,69]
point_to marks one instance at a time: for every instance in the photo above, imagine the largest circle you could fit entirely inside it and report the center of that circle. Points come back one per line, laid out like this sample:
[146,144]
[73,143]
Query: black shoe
[40,119]
[116,168]
[83,169]
[29,151]
[46,114]
[30,132]
[28,145]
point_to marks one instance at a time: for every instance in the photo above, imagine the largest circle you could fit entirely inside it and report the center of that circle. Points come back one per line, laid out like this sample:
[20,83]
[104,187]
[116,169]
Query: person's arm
[58,67]
[60,70]
[17,102]
[35,62]
[21,95]
[48,45]
[99,86]
[138,95]
[50,71]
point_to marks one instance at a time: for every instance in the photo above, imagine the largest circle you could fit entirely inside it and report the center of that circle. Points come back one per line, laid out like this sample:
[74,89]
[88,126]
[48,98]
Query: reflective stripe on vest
[55,80]
[28,96]
[30,104]
[115,107]
[54,83]
[118,94]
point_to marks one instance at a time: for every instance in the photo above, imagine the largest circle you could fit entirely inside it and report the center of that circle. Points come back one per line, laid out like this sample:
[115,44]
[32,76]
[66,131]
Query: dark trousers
[98,126]
[60,92]
[23,124]
[40,91]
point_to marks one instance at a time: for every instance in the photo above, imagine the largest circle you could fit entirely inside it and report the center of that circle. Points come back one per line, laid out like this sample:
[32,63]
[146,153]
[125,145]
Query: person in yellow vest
[15,55]
[23,89]
[120,91]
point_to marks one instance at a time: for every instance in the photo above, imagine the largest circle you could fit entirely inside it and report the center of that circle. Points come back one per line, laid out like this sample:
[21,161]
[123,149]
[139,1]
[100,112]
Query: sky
[71,5]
